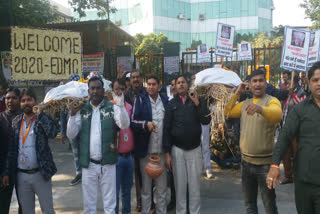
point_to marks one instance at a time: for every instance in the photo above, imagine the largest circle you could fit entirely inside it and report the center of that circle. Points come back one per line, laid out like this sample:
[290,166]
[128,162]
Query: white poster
[203,54]
[244,51]
[6,61]
[295,49]
[224,40]
[92,62]
[171,64]
[124,63]
[314,45]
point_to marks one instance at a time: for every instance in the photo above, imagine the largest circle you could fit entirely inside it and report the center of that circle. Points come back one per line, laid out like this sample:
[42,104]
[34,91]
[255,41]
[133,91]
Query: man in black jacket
[182,137]
[6,117]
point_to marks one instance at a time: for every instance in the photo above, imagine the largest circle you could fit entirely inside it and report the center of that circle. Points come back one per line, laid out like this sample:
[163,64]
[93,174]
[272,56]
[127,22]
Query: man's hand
[242,88]
[5,181]
[168,161]
[272,177]
[118,98]
[37,109]
[75,107]
[194,96]
[63,139]
[151,126]
[253,108]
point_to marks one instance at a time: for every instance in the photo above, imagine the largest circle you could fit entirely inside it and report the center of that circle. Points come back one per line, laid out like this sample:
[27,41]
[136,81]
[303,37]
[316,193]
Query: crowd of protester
[113,140]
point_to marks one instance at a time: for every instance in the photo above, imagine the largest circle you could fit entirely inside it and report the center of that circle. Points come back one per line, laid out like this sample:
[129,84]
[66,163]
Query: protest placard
[203,54]
[6,62]
[125,63]
[171,64]
[92,62]
[314,46]
[224,40]
[39,54]
[295,49]
[244,51]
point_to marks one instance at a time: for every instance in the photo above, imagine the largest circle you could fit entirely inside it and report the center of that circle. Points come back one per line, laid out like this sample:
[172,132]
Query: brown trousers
[287,163]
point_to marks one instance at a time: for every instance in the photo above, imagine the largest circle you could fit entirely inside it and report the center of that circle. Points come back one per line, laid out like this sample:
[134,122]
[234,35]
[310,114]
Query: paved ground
[222,195]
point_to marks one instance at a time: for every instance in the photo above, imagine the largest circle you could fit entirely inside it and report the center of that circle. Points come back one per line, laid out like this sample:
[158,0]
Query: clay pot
[153,168]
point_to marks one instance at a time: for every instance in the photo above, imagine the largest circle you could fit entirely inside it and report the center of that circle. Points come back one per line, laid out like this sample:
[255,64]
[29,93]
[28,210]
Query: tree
[195,43]
[145,47]
[103,6]
[243,38]
[29,13]
[312,10]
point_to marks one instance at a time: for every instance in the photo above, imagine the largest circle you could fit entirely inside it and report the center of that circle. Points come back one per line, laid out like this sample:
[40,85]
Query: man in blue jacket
[147,124]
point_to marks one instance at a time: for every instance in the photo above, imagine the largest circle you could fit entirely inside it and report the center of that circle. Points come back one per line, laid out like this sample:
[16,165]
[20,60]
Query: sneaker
[76,180]
[209,175]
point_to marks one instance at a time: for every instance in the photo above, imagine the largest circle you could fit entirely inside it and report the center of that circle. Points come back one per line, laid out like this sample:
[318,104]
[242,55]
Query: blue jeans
[254,176]
[75,144]
[124,171]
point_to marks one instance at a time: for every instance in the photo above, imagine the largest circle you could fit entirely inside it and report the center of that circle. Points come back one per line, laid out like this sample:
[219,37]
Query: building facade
[187,20]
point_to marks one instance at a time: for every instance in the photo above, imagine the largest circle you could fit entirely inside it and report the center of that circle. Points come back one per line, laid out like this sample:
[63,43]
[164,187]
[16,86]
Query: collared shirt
[120,117]
[183,99]
[95,133]
[155,140]
[27,158]
[303,123]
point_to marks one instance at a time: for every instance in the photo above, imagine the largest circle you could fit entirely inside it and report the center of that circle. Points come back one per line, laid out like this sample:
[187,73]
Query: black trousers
[307,198]
[5,198]
[254,178]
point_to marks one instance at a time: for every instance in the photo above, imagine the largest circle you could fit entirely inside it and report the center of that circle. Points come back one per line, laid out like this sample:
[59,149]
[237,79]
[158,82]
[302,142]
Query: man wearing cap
[96,123]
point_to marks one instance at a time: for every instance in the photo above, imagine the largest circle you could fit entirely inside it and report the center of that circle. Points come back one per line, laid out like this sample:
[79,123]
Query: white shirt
[155,140]
[120,117]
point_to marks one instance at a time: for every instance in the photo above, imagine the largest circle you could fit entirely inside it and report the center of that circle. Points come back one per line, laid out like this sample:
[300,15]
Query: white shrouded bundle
[215,84]
[217,76]
[72,89]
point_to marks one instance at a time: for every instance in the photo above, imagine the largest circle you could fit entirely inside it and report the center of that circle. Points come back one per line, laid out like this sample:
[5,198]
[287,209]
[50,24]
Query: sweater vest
[257,135]
[107,134]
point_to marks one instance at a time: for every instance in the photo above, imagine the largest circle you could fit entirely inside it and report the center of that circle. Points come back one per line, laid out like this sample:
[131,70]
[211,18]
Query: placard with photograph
[203,54]
[295,49]
[314,47]
[224,40]
[244,51]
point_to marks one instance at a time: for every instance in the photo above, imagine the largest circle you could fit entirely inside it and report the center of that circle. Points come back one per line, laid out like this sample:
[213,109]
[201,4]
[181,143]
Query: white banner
[314,46]
[224,40]
[92,62]
[203,54]
[171,64]
[244,51]
[295,49]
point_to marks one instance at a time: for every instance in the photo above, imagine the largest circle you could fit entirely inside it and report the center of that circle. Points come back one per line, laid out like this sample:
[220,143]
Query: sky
[286,13]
